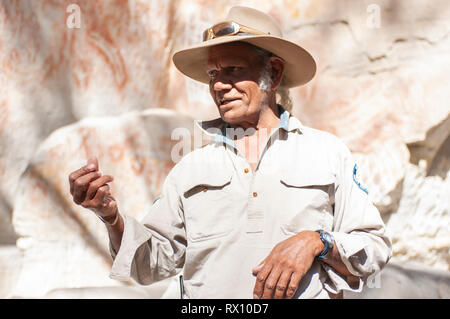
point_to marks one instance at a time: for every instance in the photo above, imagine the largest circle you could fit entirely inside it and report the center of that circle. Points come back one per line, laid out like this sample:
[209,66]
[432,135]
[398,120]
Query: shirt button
[255,194]
[246,170]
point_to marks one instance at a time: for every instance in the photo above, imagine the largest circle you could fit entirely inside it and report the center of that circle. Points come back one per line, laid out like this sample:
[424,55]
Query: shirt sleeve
[153,249]
[358,230]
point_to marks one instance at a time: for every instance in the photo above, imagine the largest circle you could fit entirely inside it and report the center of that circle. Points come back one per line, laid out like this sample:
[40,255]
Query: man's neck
[255,136]
[267,119]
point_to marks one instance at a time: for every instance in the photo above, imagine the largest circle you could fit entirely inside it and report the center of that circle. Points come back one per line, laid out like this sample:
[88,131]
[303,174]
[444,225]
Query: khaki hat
[264,33]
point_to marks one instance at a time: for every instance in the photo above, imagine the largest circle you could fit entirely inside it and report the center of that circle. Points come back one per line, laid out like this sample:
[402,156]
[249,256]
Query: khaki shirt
[217,219]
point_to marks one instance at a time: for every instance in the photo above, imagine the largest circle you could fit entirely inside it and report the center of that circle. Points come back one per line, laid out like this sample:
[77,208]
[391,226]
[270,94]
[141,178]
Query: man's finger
[96,184]
[100,199]
[271,283]
[260,281]
[258,268]
[92,162]
[81,185]
[293,284]
[282,284]
[77,174]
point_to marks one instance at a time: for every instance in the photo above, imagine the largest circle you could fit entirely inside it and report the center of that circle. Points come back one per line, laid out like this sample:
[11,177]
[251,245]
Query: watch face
[328,238]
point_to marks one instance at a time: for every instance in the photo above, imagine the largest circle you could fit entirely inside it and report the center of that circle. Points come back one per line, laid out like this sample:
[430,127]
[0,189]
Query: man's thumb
[92,163]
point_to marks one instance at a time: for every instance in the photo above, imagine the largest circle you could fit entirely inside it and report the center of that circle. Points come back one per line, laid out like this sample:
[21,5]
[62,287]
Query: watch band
[327,240]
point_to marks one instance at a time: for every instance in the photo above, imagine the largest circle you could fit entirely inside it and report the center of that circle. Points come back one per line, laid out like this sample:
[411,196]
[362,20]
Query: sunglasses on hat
[227,28]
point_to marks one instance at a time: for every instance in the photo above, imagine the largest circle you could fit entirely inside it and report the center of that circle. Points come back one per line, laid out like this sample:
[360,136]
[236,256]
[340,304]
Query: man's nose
[222,83]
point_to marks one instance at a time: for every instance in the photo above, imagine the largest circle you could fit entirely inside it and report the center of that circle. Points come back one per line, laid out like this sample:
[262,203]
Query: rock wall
[81,78]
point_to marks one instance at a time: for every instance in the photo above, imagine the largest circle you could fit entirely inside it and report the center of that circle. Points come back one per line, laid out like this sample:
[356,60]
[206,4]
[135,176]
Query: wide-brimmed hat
[300,66]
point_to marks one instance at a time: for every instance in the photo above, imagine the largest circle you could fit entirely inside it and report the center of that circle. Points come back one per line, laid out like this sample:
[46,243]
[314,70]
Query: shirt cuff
[335,282]
[351,249]
[134,236]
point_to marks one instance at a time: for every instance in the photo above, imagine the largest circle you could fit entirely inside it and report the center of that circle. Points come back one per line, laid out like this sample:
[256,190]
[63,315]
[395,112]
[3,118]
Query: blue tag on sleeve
[355,170]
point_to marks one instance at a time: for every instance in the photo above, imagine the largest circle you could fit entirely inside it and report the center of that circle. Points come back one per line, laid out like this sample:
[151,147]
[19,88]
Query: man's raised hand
[90,189]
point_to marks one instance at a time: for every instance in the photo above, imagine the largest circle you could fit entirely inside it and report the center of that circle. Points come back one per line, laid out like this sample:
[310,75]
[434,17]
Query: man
[269,208]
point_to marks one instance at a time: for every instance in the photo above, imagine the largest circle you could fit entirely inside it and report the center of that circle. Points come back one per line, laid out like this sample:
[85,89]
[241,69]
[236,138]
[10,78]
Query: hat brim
[299,69]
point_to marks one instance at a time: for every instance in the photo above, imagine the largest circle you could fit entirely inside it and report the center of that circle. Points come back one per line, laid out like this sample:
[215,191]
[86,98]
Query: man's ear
[277,71]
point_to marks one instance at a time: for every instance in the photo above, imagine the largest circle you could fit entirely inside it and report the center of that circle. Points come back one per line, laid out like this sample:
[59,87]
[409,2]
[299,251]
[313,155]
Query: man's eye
[234,68]
[212,73]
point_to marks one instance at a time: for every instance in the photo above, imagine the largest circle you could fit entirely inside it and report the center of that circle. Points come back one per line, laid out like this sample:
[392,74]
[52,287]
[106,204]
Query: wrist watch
[327,241]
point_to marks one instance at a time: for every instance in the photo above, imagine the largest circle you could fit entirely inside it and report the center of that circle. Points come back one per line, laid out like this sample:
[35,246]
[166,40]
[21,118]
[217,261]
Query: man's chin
[232,112]
[229,118]
[226,114]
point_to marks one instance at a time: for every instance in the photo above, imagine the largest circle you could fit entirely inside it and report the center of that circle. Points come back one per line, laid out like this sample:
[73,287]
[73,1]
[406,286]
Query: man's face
[234,70]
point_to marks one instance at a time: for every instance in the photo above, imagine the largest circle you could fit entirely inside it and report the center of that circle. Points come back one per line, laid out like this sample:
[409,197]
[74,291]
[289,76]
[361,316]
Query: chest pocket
[309,200]
[207,205]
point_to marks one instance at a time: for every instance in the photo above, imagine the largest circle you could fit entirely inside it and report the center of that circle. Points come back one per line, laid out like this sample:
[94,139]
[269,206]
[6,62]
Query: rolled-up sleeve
[153,249]
[358,229]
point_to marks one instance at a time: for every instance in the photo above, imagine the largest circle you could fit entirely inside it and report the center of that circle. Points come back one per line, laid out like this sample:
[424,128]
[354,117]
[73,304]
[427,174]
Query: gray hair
[265,80]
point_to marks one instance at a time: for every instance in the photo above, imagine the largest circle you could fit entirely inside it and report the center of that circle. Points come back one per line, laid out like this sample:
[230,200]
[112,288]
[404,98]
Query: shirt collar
[216,129]
[287,122]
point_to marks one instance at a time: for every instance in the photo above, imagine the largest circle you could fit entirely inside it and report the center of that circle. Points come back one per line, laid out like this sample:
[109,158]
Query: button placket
[255,210]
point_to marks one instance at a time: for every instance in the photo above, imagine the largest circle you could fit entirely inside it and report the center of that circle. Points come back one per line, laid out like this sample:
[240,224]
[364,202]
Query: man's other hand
[279,274]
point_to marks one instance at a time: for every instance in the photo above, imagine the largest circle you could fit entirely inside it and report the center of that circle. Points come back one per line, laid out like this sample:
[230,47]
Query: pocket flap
[207,177]
[303,178]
